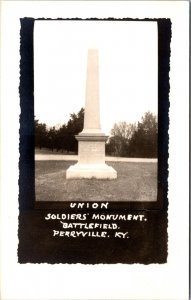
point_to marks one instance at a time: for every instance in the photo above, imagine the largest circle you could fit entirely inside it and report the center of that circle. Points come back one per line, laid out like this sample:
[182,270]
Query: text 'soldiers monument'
[91,141]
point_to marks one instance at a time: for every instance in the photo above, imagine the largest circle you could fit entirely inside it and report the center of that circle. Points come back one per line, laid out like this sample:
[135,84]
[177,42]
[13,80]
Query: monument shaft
[92,109]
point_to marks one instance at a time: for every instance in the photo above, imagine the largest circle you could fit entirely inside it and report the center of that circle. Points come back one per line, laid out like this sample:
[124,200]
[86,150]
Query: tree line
[126,140]
[134,140]
[62,138]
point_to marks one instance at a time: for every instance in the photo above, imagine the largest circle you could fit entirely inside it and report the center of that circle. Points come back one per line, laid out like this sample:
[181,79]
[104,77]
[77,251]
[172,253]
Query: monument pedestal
[88,171]
[91,159]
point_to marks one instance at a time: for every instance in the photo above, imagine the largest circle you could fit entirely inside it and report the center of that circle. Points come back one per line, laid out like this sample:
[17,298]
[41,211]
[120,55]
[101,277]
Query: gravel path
[75,157]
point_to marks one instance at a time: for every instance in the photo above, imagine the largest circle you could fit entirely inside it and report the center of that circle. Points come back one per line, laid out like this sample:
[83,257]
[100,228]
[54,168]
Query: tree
[40,134]
[134,140]
[60,138]
[123,129]
[74,126]
[121,134]
[144,140]
[51,138]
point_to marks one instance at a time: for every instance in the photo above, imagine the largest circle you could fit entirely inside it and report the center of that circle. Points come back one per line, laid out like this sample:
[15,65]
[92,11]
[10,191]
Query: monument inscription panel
[91,152]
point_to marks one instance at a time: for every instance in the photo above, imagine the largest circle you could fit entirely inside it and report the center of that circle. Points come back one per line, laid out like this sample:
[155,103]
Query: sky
[128,69]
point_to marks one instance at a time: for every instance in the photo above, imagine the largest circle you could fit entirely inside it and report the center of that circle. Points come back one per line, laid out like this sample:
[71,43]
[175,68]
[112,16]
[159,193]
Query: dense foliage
[131,140]
[62,138]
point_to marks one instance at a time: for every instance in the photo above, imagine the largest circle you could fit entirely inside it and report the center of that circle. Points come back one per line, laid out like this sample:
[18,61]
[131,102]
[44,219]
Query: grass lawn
[135,182]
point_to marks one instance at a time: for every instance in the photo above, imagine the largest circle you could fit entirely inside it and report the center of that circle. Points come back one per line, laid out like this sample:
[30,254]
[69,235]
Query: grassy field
[135,182]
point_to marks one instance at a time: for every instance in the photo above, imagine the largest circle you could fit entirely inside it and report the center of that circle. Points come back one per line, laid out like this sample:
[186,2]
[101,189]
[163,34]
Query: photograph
[96,110]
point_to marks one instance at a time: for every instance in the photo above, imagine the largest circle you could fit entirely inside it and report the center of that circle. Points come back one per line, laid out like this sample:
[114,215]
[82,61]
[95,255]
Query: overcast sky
[128,69]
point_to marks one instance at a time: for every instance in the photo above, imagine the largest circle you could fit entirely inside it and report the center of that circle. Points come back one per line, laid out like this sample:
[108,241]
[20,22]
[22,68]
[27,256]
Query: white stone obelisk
[91,141]
[92,109]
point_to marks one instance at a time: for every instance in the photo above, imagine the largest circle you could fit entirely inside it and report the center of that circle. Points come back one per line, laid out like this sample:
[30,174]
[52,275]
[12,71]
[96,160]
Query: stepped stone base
[98,171]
